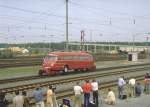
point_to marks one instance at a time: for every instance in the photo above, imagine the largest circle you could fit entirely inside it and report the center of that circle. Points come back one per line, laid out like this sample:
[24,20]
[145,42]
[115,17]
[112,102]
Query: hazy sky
[25,21]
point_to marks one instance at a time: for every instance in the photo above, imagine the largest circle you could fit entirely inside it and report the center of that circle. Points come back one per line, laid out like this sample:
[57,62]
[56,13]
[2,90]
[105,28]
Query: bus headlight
[52,64]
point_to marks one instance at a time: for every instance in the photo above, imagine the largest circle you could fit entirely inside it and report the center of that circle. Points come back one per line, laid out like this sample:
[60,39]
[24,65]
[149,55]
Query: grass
[18,71]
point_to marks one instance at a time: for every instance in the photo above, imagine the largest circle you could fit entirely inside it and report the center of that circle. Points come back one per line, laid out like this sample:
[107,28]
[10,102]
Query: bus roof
[68,53]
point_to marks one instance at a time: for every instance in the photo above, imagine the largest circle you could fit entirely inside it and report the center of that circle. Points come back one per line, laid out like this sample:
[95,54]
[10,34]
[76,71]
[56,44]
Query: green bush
[5,54]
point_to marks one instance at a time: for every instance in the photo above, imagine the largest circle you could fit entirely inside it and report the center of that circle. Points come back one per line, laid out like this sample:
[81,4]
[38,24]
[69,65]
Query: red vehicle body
[62,62]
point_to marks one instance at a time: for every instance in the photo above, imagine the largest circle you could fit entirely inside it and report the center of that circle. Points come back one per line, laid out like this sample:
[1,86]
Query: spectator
[66,103]
[18,100]
[86,90]
[3,101]
[77,90]
[138,89]
[50,97]
[121,84]
[147,83]
[38,96]
[26,99]
[95,91]
[132,86]
[55,104]
[111,99]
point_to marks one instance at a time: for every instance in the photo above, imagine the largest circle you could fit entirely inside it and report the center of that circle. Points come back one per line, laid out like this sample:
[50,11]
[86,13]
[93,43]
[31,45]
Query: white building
[132,49]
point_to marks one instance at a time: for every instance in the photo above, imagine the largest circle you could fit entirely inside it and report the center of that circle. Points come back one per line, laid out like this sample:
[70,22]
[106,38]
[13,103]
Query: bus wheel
[65,69]
[85,69]
[61,72]
[76,70]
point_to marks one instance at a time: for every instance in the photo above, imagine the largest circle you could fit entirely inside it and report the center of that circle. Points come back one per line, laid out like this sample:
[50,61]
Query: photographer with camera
[49,99]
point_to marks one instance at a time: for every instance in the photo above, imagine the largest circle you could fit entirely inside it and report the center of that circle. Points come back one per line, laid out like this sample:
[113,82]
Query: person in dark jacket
[138,89]
[3,101]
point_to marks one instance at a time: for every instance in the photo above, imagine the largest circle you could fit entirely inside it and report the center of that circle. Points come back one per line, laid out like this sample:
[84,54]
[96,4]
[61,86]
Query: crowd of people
[22,100]
[86,89]
[133,88]
[126,88]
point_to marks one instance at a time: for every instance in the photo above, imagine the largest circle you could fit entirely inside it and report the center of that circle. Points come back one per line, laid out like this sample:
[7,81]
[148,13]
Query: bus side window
[76,58]
[84,58]
[64,58]
[59,58]
[68,58]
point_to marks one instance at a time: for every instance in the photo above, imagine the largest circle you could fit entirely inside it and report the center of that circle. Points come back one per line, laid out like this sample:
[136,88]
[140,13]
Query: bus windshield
[51,58]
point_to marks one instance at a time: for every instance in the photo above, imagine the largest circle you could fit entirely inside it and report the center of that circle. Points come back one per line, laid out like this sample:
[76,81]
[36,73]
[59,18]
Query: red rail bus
[62,62]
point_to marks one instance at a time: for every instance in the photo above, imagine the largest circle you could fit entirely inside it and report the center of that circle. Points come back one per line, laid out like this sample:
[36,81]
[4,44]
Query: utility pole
[91,35]
[133,42]
[110,22]
[91,32]
[66,25]
[50,44]
[82,40]
[147,47]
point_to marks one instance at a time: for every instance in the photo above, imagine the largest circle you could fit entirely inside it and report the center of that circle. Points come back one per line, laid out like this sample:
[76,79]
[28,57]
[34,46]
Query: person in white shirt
[95,91]
[78,91]
[111,99]
[18,100]
[132,86]
[121,89]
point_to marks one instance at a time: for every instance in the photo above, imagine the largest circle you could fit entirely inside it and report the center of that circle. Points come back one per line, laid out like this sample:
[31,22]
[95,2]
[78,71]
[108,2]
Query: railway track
[122,69]
[20,63]
[69,80]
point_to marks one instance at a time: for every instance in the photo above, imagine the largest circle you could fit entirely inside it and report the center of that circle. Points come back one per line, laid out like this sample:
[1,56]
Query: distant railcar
[63,62]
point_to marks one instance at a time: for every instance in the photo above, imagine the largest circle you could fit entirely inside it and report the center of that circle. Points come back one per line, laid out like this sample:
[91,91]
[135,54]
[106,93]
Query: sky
[29,21]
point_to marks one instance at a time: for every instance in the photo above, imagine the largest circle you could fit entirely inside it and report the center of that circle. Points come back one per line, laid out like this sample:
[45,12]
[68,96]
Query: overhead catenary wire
[75,21]
[99,9]
[44,13]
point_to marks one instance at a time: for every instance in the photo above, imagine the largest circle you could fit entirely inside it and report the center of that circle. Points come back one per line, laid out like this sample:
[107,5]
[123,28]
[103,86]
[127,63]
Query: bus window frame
[48,59]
